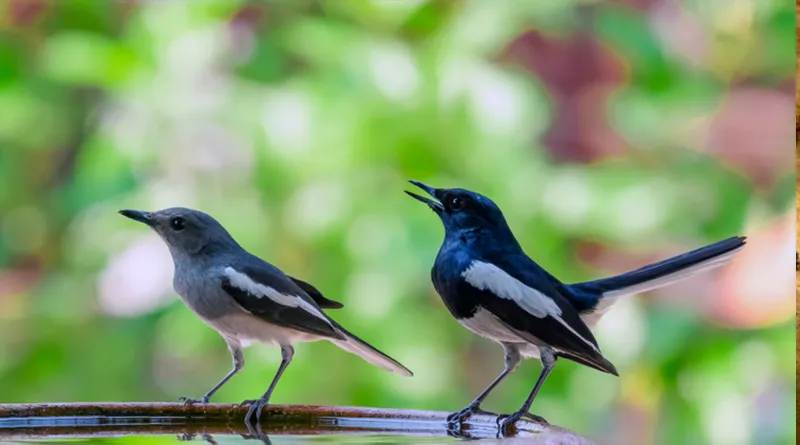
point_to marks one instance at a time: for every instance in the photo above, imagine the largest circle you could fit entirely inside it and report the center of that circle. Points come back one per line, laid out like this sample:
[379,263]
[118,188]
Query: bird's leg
[235,349]
[455,420]
[287,352]
[548,363]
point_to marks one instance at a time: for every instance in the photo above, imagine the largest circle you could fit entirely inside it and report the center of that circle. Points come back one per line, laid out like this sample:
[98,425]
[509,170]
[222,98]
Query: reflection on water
[220,424]
[221,439]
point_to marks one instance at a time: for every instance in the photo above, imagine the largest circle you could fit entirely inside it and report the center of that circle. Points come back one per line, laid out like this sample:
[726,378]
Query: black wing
[316,295]
[288,306]
[569,336]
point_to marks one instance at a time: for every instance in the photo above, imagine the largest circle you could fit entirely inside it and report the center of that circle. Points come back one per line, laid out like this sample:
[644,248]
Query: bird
[494,289]
[247,299]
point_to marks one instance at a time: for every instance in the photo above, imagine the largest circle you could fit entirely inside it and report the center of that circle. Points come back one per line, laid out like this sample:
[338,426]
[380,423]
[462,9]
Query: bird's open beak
[436,206]
[138,215]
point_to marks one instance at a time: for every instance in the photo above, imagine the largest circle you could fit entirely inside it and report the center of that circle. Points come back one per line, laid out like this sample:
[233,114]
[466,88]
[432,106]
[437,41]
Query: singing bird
[495,290]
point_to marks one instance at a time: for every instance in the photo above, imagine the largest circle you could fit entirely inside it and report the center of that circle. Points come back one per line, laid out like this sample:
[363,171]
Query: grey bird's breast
[203,294]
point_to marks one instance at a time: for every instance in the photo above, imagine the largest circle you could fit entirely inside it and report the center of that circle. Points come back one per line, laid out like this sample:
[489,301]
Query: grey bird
[245,298]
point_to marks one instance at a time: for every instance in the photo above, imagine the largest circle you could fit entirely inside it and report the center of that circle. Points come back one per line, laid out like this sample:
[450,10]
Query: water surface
[170,423]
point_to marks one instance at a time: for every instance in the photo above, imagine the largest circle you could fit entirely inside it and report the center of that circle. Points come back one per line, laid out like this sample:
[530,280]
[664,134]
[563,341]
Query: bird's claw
[506,421]
[256,433]
[457,418]
[189,401]
[256,406]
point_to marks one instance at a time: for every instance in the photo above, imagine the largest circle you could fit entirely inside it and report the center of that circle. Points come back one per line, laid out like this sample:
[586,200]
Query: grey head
[187,232]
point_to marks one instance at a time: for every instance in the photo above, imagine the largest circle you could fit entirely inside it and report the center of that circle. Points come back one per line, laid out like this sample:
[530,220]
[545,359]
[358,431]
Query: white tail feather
[358,347]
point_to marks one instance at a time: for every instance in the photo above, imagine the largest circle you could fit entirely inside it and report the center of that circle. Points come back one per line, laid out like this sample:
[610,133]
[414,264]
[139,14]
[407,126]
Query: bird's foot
[506,421]
[256,406]
[188,401]
[457,418]
[248,402]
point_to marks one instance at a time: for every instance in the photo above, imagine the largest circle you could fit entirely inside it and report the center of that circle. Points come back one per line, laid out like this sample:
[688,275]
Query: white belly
[246,328]
[487,325]
[529,350]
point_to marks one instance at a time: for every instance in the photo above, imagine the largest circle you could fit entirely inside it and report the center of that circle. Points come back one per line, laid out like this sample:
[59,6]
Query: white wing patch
[487,276]
[258,290]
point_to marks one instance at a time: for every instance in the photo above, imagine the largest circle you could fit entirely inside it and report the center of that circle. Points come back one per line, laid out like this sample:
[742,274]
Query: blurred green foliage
[600,128]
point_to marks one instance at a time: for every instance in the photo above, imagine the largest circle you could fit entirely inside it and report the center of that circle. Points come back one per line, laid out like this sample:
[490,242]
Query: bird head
[462,210]
[185,231]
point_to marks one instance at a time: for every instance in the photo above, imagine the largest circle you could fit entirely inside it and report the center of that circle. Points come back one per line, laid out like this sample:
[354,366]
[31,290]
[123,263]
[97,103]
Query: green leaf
[82,58]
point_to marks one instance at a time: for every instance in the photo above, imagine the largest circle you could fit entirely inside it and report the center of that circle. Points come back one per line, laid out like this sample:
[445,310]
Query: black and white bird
[495,290]
[247,299]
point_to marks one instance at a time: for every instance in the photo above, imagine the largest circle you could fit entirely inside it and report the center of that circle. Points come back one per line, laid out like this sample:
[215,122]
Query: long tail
[359,347]
[657,275]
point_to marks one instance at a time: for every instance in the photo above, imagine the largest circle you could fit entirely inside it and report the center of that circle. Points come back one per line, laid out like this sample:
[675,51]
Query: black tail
[664,272]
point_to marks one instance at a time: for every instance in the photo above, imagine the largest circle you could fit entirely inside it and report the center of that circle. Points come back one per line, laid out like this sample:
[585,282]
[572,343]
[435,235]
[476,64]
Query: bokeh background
[612,134]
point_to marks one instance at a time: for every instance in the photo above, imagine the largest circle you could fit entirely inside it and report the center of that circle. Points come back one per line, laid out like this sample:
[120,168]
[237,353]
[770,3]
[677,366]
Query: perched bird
[495,290]
[245,298]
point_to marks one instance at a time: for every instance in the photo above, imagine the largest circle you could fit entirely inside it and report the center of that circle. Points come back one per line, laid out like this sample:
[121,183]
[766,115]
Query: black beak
[436,206]
[138,215]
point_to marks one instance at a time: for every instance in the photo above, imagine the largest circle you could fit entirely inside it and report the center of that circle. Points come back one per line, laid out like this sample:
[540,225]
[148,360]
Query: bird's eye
[177,224]
[456,203]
